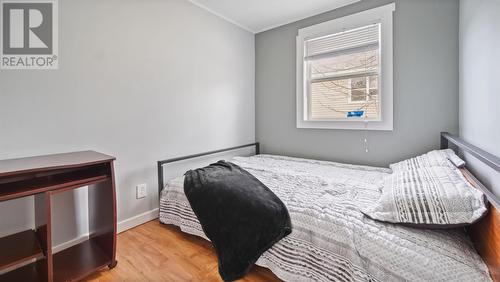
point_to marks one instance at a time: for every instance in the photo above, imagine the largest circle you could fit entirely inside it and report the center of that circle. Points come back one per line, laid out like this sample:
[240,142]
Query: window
[363,91]
[344,72]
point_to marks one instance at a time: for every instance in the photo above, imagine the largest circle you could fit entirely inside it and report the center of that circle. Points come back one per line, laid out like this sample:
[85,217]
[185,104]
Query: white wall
[142,80]
[480,82]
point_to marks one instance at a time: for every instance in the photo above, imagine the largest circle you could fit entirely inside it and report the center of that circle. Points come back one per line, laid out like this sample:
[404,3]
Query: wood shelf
[52,162]
[18,248]
[27,255]
[33,186]
[33,272]
[79,261]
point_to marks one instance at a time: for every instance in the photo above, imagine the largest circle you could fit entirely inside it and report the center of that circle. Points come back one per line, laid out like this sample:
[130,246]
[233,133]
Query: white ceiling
[261,15]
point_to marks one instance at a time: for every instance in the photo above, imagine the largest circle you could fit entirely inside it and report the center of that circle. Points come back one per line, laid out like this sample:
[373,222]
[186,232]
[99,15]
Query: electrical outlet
[141,191]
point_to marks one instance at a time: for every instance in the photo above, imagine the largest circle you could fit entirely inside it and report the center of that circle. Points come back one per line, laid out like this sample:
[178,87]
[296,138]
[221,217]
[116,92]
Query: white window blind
[354,40]
[343,70]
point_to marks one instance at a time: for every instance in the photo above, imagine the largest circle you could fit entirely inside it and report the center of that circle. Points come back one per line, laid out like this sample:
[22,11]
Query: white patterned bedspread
[331,239]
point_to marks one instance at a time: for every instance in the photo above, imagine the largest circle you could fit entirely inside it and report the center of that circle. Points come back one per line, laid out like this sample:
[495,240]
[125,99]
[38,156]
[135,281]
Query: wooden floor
[157,252]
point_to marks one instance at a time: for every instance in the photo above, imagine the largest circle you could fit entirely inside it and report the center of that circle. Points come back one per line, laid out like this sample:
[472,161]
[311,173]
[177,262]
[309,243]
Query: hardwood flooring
[157,252]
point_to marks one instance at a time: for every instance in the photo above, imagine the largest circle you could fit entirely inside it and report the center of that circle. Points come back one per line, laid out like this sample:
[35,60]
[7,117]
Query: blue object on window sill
[355,113]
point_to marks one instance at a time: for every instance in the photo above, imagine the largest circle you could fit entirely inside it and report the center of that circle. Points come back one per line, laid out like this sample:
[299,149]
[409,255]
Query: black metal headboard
[485,157]
[161,183]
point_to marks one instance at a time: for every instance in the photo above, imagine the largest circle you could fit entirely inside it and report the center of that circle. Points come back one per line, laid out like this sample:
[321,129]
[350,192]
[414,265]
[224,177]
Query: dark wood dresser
[27,255]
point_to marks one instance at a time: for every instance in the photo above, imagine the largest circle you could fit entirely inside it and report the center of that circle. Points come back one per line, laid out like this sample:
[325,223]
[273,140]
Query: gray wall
[425,87]
[140,80]
[480,82]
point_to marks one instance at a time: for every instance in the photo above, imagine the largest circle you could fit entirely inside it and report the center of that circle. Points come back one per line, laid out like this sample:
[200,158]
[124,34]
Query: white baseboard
[122,226]
[70,243]
[137,220]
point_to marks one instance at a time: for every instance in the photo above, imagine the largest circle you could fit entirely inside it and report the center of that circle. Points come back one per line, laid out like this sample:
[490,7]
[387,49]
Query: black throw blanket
[240,215]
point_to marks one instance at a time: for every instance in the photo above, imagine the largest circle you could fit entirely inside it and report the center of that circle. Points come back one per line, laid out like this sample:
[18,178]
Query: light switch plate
[141,191]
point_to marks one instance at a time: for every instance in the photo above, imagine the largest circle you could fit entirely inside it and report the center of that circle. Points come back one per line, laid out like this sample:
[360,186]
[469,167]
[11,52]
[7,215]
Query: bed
[332,240]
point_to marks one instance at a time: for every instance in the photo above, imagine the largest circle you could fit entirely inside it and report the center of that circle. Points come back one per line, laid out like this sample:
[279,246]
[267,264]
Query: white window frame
[367,92]
[382,15]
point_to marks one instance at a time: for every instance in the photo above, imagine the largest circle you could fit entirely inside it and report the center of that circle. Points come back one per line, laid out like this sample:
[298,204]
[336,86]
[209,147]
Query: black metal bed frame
[446,138]
[161,183]
[480,154]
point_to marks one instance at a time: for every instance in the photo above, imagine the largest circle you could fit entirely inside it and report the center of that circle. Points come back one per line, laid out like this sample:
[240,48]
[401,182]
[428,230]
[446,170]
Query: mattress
[331,239]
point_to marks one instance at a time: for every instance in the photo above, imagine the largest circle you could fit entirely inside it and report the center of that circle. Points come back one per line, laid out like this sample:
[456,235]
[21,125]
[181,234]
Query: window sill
[346,125]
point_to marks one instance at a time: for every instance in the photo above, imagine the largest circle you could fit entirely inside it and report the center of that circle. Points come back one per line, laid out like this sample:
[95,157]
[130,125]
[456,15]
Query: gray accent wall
[140,80]
[425,88]
[480,83]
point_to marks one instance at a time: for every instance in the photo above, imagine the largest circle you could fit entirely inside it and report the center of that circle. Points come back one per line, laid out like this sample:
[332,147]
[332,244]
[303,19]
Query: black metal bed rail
[480,154]
[173,160]
[487,158]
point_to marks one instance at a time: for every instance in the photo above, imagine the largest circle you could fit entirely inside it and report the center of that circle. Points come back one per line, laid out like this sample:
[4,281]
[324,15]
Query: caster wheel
[113,264]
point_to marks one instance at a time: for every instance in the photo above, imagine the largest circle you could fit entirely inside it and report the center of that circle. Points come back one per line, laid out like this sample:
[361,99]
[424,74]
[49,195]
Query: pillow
[433,158]
[432,197]
[458,162]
